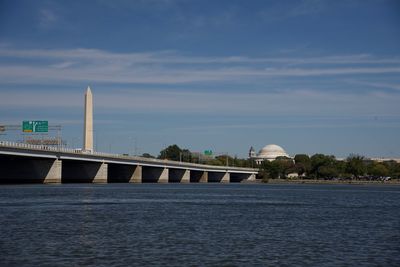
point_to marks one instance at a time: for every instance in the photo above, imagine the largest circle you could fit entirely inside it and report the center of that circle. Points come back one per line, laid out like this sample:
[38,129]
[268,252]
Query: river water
[199,225]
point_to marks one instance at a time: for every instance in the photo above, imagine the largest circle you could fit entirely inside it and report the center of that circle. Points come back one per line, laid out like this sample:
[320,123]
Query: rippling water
[199,225]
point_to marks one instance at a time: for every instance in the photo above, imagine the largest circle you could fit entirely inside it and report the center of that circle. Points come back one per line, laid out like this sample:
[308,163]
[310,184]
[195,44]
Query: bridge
[25,163]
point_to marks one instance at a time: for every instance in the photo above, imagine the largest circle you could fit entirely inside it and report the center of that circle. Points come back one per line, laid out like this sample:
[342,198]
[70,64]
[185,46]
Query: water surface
[199,225]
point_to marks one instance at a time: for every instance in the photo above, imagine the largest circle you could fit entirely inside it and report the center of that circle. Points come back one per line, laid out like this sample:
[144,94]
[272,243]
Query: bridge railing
[109,155]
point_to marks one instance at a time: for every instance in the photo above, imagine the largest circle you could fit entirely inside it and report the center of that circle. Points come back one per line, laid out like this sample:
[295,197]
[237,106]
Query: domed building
[269,152]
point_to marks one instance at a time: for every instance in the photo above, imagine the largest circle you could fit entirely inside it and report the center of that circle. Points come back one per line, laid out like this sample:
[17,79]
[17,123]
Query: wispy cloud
[379,85]
[282,10]
[172,57]
[168,67]
[47,18]
[299,102]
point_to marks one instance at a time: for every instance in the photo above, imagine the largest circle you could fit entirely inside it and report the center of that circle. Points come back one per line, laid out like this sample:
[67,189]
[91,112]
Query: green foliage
[355,165]
[302,164]
[378,169]
[147,155]
[186,155]
[224,160]
[174,152]
[319,166]
[278,168]
[322,166]
[394,169]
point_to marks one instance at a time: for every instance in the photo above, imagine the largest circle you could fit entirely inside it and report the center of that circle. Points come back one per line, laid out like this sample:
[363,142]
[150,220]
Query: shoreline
[345,182]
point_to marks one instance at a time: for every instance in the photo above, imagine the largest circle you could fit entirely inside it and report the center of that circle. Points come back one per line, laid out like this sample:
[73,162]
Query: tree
[147,155]
[186,155]
[269,169]
[328,171]
[341,166]
[224,160]
[322,166]
[355,165]
[285,166]
[378,169]
[172,152]
[278,168]
[302,164]
[394,169]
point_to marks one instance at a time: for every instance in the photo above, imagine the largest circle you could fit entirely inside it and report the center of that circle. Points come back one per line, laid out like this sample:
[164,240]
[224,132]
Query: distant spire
[88,90]
[252,152]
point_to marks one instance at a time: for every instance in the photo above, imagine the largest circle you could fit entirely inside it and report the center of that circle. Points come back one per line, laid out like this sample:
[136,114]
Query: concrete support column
[252,177]
[164,176]
[137,175]
[225,178]
[204,177]
[101,175]
[54,174]
[186,177]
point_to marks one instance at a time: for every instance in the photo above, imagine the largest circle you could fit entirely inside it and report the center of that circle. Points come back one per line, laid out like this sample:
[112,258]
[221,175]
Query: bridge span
[24,163]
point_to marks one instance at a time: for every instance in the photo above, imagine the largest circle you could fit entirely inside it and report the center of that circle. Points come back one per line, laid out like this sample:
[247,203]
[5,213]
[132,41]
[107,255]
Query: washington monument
[88,122]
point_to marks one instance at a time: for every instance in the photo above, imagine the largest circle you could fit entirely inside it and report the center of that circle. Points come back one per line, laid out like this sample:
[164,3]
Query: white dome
[271,152]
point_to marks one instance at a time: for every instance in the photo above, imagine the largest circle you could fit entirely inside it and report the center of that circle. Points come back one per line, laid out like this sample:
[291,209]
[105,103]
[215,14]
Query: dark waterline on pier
[199,225]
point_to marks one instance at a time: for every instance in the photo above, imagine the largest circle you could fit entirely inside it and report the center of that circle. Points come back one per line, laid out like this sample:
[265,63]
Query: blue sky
[312,76]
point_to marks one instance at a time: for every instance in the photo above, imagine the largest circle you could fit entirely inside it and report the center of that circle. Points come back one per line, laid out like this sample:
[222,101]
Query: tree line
[174,152]
[318,166]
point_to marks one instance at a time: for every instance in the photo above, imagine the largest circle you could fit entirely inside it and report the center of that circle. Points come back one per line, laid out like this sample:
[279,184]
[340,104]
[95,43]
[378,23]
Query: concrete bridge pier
[164,176]
[137,175]
[16,169]
[218,177]
[198,176]
[179,175]
[53,176]
[226,178]
[83,171]
[242,177]
[155,174]
[101,175]
[119,173]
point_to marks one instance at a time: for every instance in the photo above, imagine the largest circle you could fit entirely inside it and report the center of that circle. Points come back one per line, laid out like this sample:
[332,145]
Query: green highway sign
[208,152]
[35,126]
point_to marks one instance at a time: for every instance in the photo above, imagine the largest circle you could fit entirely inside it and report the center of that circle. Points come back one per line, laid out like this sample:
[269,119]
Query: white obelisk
[88,122]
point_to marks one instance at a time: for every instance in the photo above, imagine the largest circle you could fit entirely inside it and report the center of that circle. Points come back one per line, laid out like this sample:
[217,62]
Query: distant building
[252,153]
[269,152]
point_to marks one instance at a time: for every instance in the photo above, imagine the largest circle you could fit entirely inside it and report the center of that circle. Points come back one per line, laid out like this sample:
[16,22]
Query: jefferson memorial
[269,152]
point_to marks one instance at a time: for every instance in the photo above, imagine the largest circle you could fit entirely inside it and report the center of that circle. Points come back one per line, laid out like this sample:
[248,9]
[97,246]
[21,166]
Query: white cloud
[47,18]
[379,85]
[167,67]
[172,57]
[290,102]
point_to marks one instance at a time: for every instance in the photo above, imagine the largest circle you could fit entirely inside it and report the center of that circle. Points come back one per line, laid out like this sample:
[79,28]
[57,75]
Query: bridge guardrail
[116,156]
